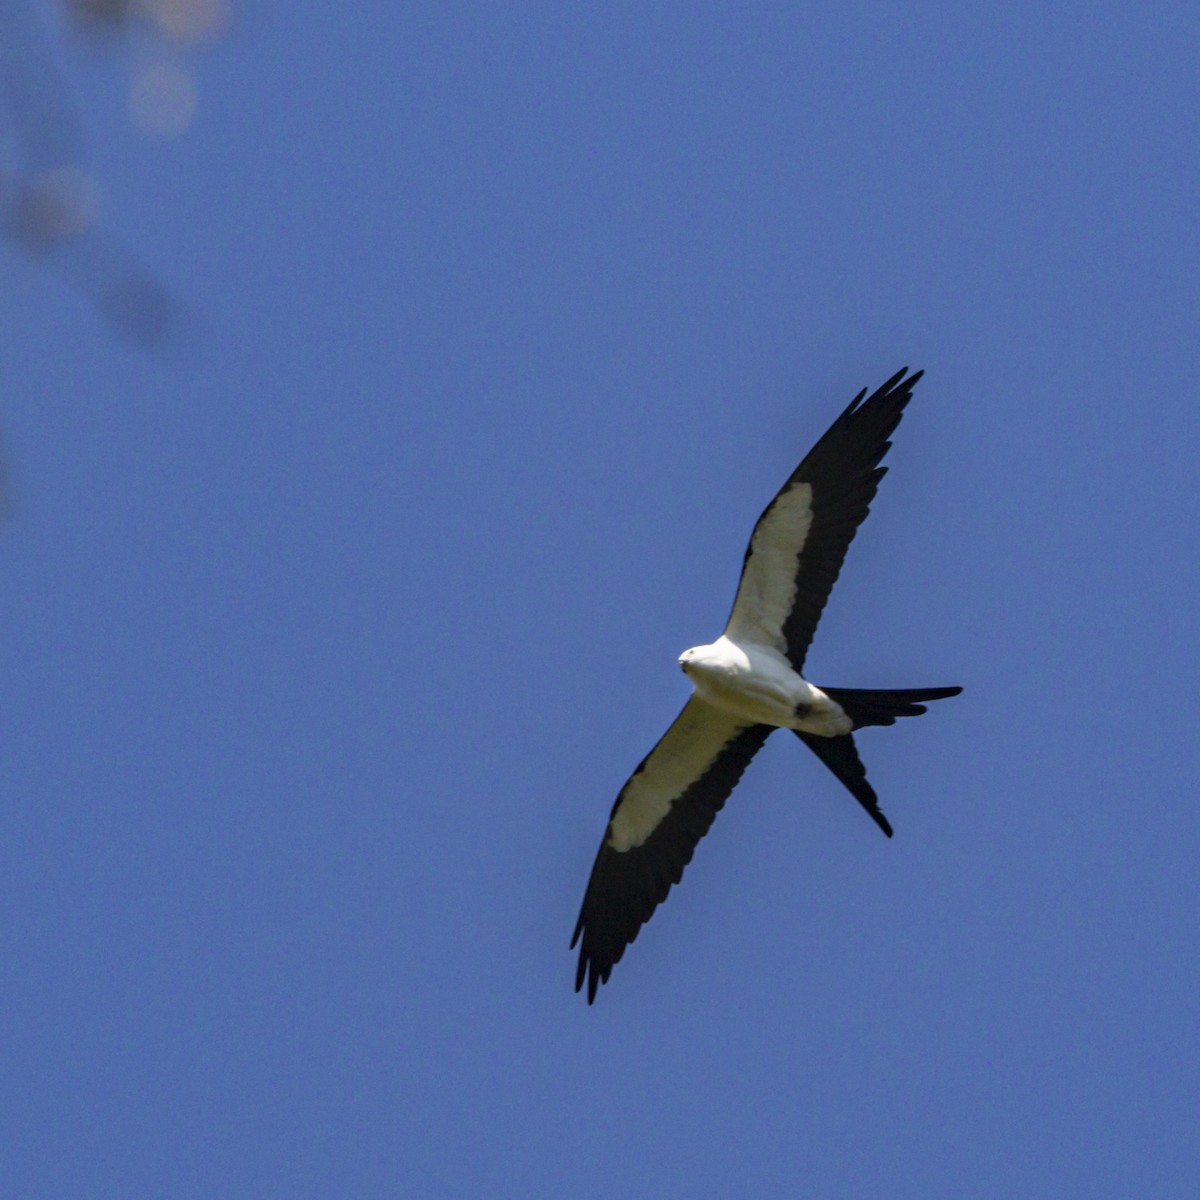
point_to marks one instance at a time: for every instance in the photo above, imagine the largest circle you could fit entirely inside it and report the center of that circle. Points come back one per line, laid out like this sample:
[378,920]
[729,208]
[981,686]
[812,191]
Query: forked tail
[883,707]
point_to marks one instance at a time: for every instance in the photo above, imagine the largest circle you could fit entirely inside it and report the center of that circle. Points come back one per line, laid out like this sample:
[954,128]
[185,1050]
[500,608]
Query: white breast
[758,684]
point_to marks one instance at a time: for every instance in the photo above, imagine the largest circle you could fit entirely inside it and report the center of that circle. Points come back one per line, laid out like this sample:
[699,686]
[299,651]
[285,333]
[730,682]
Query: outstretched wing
[797,547]
[662,812]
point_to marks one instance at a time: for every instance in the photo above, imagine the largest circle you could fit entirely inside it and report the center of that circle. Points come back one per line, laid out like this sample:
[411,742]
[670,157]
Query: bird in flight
[748,683]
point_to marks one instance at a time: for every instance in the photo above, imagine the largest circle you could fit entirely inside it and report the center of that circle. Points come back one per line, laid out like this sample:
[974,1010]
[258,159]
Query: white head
[719,660]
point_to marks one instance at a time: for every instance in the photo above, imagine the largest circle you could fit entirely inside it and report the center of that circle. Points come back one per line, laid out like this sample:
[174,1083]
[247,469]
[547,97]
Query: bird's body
[748,683]
[757,684]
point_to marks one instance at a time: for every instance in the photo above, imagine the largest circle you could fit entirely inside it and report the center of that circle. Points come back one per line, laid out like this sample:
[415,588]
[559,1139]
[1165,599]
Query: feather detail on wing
[799,543]
[660,815]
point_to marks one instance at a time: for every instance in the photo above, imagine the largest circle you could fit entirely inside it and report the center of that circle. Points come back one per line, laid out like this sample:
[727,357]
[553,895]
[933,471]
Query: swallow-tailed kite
[748,683]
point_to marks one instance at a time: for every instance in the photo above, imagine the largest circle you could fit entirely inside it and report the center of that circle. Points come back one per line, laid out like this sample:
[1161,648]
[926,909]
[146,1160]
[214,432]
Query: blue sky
[334,624]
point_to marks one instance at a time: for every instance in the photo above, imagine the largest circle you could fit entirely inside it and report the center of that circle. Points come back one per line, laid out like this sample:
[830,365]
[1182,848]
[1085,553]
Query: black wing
[662,812]
[801,539]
